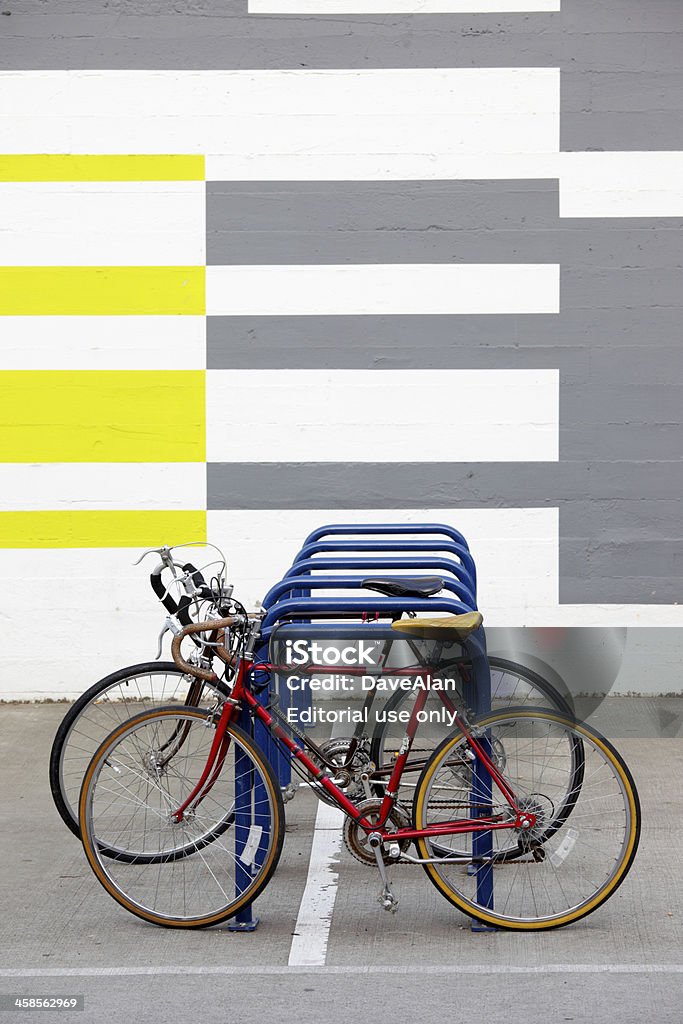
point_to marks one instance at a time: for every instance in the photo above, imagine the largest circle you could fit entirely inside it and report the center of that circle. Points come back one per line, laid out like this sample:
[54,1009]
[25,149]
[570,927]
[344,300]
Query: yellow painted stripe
[102,416]
[101,167]
[102,291]
[100,529]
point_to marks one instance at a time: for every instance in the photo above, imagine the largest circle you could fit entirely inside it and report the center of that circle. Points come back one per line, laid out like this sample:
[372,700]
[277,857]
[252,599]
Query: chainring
[356,838]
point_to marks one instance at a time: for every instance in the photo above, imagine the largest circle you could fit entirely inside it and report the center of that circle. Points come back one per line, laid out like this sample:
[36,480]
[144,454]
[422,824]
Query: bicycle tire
[65,784]
[610,818]
[144,887]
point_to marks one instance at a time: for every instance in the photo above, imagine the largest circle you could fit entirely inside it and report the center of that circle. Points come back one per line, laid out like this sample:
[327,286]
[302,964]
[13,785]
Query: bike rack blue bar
[304,607]
[423,562]
[244,921]
[354,529]
[478,697]
[291,584]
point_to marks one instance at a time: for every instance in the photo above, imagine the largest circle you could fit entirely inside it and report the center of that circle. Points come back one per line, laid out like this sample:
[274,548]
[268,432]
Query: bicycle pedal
[388,901]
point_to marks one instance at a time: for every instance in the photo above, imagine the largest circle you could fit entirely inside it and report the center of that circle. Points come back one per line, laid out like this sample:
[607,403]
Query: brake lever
[164,554]
[171,625]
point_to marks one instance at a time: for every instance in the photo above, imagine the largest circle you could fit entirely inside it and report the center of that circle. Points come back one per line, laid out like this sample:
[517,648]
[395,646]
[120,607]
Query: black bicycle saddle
[405,586]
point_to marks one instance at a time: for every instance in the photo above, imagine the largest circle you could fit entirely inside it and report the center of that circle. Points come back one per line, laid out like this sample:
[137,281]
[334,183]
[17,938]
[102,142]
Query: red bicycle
[524,819]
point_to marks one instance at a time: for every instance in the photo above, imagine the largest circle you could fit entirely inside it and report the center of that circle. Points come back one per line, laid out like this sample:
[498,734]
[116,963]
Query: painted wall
[267,266]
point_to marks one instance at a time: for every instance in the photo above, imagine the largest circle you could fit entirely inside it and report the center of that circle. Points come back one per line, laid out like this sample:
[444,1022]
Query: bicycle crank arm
[386,896]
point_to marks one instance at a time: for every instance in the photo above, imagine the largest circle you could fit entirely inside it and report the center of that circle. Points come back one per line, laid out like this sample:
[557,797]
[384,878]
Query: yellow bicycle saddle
[450,627]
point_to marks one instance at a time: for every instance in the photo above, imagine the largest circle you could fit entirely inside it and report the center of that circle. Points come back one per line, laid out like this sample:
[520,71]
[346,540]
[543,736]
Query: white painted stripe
[267,970]
[621,184]
[296,124]
[188,94]
[358,165]
[403,288]
[102,223]
[382,415]
[400,6]
[312,929]
[96,611]
[115,485]
[103,343]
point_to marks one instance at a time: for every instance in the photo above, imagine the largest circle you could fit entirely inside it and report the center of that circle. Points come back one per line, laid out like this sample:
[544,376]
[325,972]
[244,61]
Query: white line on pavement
[312,930]
[240,969]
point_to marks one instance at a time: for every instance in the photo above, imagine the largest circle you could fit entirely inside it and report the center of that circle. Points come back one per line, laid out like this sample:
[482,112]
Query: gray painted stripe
[381,222]
[378,485]
[613,589]
[619,343]
[386,342]
[624,130]
[634,420]
[244,485]
[222,35]
[622,85]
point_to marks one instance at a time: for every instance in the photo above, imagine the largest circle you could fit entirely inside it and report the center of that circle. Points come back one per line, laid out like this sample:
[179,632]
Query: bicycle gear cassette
[356,839]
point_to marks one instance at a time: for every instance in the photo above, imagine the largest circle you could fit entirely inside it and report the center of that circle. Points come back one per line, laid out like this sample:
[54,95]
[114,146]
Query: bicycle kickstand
[386,896]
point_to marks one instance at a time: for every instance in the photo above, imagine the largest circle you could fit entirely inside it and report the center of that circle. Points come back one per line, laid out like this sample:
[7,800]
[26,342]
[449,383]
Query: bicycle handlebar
[159,589]
[180,608]
[210,626]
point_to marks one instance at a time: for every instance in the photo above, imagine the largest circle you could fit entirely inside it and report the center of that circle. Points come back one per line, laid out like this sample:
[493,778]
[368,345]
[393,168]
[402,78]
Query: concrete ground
[61,934]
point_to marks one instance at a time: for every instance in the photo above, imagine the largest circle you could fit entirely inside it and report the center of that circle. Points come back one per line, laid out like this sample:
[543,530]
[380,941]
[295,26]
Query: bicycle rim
[582,846]
[187,874]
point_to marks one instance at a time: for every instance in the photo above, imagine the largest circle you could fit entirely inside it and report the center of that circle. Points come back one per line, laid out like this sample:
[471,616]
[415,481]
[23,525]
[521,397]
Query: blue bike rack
[464,570]
[387,545]
[290,605]
[456,543]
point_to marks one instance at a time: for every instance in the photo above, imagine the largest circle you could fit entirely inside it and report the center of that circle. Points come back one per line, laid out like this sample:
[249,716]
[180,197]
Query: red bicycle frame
[242,696]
